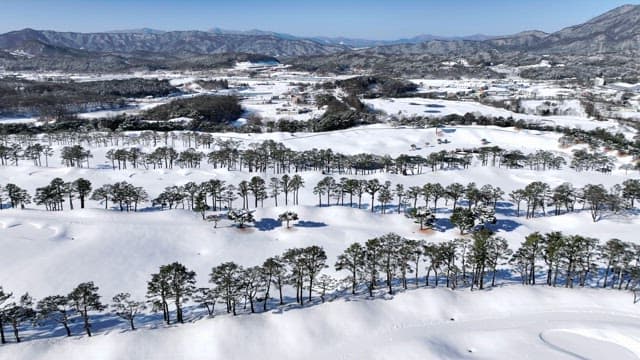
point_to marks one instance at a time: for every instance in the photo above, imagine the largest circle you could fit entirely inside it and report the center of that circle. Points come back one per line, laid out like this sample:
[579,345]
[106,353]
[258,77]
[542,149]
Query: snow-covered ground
[49,253]
[506,323]
[408,107]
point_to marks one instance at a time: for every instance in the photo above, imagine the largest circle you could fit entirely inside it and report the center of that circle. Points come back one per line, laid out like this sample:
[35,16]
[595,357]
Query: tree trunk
[15,331]
[87,326]
[606,275]
[66,327]
[2,338]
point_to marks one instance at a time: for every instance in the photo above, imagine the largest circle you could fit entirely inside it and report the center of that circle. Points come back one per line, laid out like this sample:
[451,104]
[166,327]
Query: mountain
[351,42]
[614,36]
[361,43]
[256,32]
[138,31]
[617,30]
[174,42]
[520,40]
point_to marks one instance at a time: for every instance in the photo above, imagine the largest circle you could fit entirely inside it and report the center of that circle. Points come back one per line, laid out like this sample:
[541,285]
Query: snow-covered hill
[505,323]
[49,253]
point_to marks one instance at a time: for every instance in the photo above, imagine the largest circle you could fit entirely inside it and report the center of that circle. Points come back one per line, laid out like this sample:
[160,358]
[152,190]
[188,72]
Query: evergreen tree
[207,298]
[240,217]
[181,282]
[275,272]
[385,196]
[324,284]
[126,308]
[20,312]
[16,195]
[85,298]
[463,219]
[227,278]
[103,193]
[314,260]
[5,304]
[253,283]
[372,188]
[352,260]
[423,216]
[200,204]
[57,308]
[287,217]
[82,187]
[158,292]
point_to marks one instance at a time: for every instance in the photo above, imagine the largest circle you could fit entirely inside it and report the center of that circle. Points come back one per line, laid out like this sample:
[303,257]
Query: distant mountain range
[617,31]
[352,42]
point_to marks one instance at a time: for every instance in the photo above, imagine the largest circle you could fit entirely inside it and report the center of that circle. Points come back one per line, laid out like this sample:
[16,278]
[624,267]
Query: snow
[408,107]
[111,239]
[49,253]
[18,120]
[240,122]
[562,107]
[507,323]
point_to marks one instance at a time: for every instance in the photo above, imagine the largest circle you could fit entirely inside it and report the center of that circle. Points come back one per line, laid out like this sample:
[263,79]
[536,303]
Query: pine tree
[207,298]
[227,278]
[287,217]
[200,204]
[324,284]
[389,245]
[372,188]
[82,187]
[314,260]
[463,219]
[158,292]
[275,186]
[181,282]
[57,308]
[595,196]
[103,193]
[253,282]
[126,308]
[372,262]
[423,216]
[240,217]
[352,260]
[5,303]
[21,312]
[385,196]
[275,272]
[85,298]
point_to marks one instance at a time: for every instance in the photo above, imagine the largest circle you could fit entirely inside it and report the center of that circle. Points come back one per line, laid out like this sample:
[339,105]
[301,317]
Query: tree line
[390,262]
[481,202]
[271,155]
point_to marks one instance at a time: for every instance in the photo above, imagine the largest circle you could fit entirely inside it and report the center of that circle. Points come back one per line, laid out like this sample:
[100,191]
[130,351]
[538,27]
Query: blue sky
[382,19]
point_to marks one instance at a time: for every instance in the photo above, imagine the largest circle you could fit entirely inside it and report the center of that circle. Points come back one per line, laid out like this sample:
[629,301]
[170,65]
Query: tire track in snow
[559,349]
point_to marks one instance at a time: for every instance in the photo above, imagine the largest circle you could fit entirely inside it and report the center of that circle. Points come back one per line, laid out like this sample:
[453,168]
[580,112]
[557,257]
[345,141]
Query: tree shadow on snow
[503,225]
[309,224]
[443,224]
[267,224]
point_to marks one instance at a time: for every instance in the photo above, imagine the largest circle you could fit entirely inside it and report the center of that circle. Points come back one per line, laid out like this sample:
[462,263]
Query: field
[50,252]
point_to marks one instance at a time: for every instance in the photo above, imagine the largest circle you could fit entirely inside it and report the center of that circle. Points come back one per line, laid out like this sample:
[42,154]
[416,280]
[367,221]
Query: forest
[20,97]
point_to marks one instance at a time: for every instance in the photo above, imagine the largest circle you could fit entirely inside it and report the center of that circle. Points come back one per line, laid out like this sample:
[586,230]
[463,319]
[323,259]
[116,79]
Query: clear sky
[383,19]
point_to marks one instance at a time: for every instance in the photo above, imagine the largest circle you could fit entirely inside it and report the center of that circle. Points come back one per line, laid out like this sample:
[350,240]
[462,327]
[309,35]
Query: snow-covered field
[408,107]
[506,323]
[48,253]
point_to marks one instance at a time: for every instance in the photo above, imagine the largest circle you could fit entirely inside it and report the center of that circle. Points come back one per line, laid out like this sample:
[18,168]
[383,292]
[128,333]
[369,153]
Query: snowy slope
[47,253]
[506,323]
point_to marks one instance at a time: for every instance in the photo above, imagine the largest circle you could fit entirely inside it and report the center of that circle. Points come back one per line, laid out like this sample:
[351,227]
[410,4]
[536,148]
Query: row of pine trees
[390,262]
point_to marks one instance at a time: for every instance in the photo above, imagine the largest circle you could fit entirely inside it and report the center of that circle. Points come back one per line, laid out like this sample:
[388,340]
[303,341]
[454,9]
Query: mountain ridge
[615,33]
